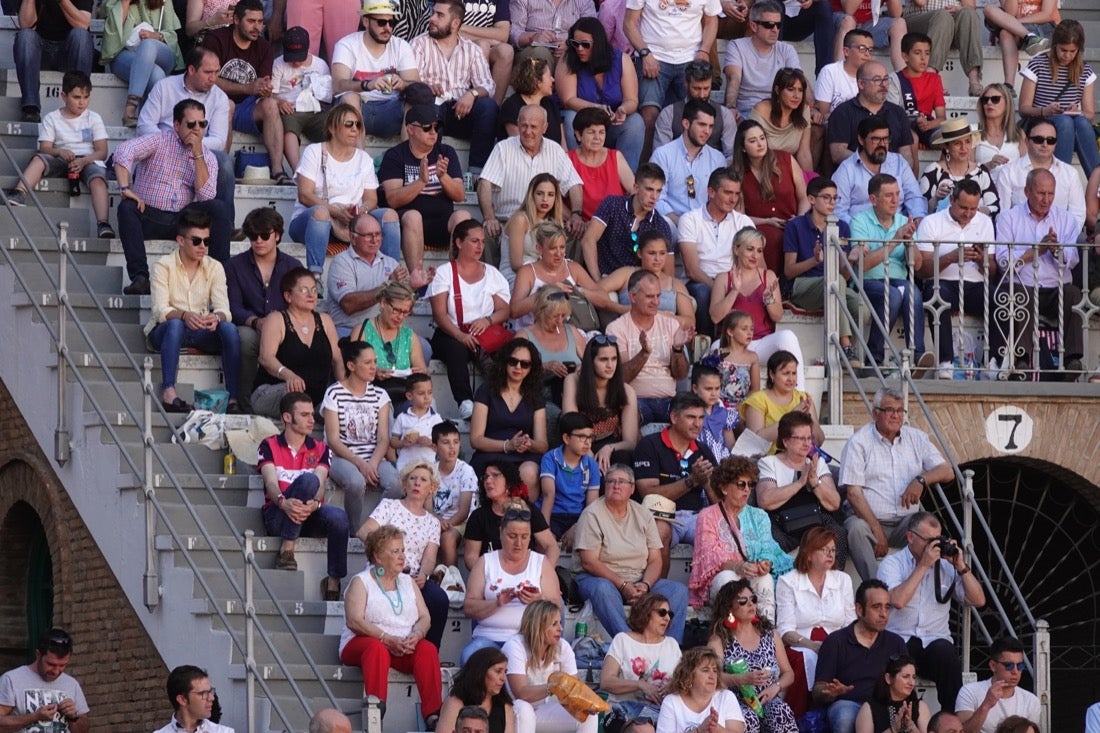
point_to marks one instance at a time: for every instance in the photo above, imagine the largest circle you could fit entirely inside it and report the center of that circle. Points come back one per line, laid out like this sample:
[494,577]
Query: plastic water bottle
[970,371]
[960,371]
[748,692]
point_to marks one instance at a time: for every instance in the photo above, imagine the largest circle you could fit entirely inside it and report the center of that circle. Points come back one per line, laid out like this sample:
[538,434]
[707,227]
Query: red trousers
[372,656]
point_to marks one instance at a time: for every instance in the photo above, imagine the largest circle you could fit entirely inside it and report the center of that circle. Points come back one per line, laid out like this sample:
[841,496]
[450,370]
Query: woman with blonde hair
[551,268]
[399,350]
[999,139]
[542,202]
[560,344]
[533,654]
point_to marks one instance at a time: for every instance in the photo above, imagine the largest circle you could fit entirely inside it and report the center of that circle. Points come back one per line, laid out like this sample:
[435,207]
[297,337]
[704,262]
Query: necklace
[304,328]
[397,606]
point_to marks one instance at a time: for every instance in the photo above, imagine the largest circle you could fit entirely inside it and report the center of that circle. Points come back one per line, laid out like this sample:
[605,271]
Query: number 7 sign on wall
[1009,429]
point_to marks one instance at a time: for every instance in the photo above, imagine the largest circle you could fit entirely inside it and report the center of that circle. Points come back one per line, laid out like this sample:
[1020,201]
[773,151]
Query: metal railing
[152,457]
[841,264]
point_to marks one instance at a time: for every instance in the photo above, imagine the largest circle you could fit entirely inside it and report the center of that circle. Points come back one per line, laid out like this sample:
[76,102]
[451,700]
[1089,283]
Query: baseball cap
[422,114]
[378,7]
[295,44]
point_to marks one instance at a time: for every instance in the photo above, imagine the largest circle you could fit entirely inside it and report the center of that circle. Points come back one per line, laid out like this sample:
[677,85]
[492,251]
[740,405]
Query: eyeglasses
[743,484]
[514,515]
[429,127]
[604,339]
[1040,140]
[205,694]
[699,68]
[201,124]
[519,363]
[391,22]
[665,613]
[684,466]
[1011,666]
[306,290]
[574,43]
[892,410]
[586,437]
[353,123]
[879,140]
[861,48]
[827,197]
[634,239]
[990,99]
[618,482]
[691,186]
[368,235]
[875,79]
[398,311]
[746,600]
[260,235]
[199,241]
[771,25]
[828,550]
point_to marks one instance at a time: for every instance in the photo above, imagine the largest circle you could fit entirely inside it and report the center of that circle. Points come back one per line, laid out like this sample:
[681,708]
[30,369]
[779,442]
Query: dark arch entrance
[26,570]
[1047,525]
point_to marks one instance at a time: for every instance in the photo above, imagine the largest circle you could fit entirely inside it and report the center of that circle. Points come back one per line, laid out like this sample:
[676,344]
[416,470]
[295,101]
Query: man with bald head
[329,720]
[510,168]
[1038,219]
[873,81]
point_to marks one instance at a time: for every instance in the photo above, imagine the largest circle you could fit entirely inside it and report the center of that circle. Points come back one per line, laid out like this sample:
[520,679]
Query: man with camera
[923,579]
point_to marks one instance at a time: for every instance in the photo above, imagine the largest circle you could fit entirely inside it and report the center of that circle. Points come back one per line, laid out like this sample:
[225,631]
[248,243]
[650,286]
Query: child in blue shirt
[719,424]
[569,478]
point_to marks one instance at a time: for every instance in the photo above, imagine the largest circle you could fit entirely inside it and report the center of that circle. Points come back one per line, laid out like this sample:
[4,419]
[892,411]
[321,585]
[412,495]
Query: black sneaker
[17,197]
[138,286]
[31,114]
[104,230]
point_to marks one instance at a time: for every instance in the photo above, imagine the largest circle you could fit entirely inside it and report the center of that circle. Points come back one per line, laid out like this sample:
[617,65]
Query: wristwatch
[643,52]
[921,480]
[475,92]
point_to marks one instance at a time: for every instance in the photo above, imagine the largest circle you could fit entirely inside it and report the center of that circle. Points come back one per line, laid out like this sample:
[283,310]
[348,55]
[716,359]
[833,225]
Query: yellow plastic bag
[577,698]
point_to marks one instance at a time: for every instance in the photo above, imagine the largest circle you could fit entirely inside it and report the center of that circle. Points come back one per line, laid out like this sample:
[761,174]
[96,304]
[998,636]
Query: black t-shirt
[240,65]
[655,458]
[509,112]
[842,657]
[484,526]
[52,23]
[844,123]
[399,163]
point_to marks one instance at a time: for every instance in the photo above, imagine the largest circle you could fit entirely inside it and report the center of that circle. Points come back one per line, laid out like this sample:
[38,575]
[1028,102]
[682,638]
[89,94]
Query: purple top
[612,92]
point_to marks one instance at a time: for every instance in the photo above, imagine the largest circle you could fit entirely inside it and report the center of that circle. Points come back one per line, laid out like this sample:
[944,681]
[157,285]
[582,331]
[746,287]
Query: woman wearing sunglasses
[733,541]
[597,391]
[1000,140]
[739,632]
[504,582]
[593,74]
[894,706]
[559,343]
[639,664]
[397,347]
[336,181]
[652,250]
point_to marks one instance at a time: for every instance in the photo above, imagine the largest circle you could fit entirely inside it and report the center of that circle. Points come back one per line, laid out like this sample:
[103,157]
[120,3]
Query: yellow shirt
[173,290]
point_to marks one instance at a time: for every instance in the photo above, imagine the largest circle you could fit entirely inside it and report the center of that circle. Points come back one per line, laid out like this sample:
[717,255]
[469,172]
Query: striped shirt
[166,179]
[533,16]
[510,169]
[358,416]
[465,68]
[1059,90]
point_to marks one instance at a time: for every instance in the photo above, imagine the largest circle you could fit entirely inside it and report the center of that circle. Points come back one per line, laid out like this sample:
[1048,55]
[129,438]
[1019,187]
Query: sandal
[130,112]
[282,179]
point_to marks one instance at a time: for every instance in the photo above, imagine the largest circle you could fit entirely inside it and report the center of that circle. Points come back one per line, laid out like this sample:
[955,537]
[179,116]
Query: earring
[731,621]
[755,619]
[379,571]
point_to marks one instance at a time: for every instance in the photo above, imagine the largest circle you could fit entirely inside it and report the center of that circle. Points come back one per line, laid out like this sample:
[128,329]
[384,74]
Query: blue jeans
[479,127]
[227,185]
[653,409]
[316,233]
[842,716]
[701,293]
[143,67]
[135,227]
[816,20]
[171,336]
[1075,132]
[33,53]
[626,138]
[328,521]
[668,87]
[899,306]
[383,119]
[608,604]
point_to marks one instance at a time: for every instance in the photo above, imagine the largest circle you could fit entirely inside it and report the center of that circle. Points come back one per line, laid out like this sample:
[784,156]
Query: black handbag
[797,519]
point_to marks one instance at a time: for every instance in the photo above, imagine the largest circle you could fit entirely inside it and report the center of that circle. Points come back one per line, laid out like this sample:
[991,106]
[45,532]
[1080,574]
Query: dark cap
[295,44]
[422,114]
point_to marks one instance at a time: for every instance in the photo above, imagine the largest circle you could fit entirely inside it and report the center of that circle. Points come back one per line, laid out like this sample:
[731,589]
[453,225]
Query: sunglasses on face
[574,43]
[201,124]
[746,600]
[990,99]
[1041,140]
[1012,666]
[199,241]
[603,339]
[430,127]
[665,613]
[519,363]
[259,235]
[384,22]
[353,123]
[771,25]
[743,484]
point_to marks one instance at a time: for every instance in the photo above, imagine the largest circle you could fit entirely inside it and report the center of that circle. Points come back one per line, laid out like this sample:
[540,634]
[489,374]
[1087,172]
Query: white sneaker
[466,409]
[946,370]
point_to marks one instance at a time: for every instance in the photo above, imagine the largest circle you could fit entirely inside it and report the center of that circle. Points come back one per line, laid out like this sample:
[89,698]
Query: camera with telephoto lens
[947,549]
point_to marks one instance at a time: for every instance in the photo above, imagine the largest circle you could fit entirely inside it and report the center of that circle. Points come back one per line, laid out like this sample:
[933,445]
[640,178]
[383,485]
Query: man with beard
[699,78]
[40,697]
[873,82]
[192,697]
[688,162]
[873,157]
[247,58]
[457,72]
[377,67]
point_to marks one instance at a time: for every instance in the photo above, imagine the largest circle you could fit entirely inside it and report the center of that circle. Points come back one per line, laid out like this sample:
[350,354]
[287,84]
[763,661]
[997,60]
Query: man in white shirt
[981,706]
[836,82]
[377,66]
[192,698]
[963,289]
[751,63]
[923,578]
[706,240]
[1040,138]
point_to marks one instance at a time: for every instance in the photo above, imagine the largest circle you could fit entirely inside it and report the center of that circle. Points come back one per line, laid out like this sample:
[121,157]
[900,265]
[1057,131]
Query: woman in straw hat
[956,139]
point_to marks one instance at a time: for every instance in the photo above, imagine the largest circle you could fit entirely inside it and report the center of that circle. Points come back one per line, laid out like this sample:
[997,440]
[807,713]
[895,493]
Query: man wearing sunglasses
[1040,138]
[39,696]
[981,706]
[158,175]
[751,63]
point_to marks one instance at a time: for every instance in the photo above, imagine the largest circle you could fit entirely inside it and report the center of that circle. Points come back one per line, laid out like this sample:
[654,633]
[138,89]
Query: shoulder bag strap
[458,293]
